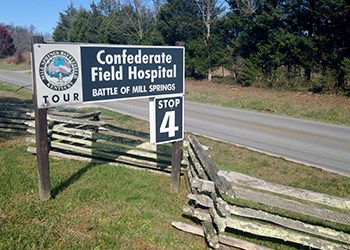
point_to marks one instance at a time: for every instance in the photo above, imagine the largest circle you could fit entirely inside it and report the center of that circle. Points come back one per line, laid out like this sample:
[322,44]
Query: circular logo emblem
[58,70]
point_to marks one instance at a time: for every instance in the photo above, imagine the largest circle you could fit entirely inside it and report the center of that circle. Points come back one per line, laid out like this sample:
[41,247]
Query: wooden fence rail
[275,211]
[80,137]
[13,117]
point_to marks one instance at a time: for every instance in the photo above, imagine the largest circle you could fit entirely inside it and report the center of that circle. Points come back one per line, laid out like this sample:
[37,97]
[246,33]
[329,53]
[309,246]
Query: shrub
[7,47]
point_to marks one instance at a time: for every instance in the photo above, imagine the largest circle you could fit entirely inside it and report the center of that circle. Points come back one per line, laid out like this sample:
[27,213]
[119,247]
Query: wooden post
[42,145]
[176,157]
[176,154]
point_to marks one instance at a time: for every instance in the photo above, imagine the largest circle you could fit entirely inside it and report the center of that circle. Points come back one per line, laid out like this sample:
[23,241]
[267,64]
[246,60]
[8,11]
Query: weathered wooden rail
[81,136]
[268,210]
[76,136]
[13,116]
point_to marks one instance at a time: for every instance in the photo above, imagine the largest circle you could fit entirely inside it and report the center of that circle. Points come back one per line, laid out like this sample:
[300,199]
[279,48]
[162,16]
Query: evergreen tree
[179,20]
[64,24]
[259,38]
[108,7]
[79,31]
[95,24]
[86,26]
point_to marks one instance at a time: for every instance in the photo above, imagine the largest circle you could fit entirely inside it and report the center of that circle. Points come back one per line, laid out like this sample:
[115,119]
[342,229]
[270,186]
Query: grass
[16,62]
[104,207]
[277,170]
[325,108]
[14,67]
[12,92]
[94,206]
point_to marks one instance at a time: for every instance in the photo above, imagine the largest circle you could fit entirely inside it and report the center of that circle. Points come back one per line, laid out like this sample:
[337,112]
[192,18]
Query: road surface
[313,143]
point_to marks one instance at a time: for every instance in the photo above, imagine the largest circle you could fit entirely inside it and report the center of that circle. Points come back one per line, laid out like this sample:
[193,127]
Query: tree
[179,20]
[108,7]
[80,27]
[198,24]
[7,47]
[210,11]
[87,25]
[244,7]
[64,24]
[129,23]
[157,4]
[137,19]
[95,23]
[22,37]
[333,37]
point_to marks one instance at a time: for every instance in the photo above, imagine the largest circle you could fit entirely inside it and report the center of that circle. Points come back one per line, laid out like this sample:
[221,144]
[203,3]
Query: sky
[43,14]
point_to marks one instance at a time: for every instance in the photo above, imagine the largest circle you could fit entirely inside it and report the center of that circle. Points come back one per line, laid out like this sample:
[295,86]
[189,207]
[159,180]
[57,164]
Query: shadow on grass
[7,136]
[15,100]
[73,178]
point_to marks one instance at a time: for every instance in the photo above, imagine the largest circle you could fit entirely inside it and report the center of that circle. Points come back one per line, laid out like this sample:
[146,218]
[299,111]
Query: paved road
[313,143]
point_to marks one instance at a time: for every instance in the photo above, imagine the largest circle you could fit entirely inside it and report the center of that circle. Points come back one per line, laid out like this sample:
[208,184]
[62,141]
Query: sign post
[167,125]
[68,74]
[42,145]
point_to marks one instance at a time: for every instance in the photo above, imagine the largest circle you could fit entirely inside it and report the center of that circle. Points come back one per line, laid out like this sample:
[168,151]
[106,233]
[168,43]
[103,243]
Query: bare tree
[108,7]
[209,10]
[251,5]
[157,4]
[245,7]
[22,36]
[137,17]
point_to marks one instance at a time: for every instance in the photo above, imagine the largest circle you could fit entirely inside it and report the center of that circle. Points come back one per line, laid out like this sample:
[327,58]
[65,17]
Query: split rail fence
[271,211]
[74,136]
[81,136]
[13,116]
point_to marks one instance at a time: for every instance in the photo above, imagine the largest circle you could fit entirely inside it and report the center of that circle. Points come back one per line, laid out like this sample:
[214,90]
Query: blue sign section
[167,123]
[117,72]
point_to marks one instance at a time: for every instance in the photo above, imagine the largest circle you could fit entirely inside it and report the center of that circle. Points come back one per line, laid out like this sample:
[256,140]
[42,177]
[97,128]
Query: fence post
[176,156]
[42,145]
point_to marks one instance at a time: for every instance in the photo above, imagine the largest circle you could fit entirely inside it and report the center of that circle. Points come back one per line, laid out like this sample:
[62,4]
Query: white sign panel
[58,75]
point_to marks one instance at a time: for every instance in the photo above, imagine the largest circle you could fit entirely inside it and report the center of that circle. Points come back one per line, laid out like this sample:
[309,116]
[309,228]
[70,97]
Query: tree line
[293,44]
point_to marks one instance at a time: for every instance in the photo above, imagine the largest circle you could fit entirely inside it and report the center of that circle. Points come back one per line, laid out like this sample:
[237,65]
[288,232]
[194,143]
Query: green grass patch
[93,206]
[12,92]
[276,170]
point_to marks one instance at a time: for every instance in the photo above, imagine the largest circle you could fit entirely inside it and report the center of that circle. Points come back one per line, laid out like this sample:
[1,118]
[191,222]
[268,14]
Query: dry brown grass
[322,107]
[20,61]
